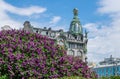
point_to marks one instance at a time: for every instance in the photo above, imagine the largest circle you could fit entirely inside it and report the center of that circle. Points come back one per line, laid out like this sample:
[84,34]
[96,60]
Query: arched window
[76,27]
[61,42]
[79,53]
[71,52]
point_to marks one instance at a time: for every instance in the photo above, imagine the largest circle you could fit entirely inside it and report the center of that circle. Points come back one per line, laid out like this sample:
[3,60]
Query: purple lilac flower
[26,54]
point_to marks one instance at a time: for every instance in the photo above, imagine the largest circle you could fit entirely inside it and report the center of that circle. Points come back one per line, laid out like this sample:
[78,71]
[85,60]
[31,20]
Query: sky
[101,18]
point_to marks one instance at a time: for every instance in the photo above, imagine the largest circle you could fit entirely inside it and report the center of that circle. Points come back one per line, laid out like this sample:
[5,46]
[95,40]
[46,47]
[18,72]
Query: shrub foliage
[26,55]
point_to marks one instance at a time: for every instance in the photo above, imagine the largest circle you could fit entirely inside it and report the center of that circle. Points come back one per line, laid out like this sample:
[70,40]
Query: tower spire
[75,26]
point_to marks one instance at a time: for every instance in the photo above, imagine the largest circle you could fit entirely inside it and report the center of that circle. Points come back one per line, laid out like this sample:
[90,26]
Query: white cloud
[55,19]
[109,6]
[105,41]
[5,19]
[22,11]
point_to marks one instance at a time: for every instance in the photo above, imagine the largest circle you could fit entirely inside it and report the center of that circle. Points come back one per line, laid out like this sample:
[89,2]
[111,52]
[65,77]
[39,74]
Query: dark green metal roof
[75,26]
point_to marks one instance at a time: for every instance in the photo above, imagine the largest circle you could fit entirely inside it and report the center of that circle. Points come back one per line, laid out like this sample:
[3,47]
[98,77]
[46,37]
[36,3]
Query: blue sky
[100,17]
[58,9]
[62,8]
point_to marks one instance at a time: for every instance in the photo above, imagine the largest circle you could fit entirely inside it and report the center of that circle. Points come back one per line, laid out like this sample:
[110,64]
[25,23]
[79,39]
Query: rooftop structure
[109,61]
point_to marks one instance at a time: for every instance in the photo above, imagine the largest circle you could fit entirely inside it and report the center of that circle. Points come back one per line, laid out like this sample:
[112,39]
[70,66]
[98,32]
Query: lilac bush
[26,55]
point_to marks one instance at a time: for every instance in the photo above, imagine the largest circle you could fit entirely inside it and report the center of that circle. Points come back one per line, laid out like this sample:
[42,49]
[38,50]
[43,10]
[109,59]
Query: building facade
[73,40]
[108,67]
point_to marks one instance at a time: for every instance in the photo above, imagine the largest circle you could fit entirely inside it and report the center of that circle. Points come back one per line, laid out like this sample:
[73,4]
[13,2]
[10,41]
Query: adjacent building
[108,67]
[73,40]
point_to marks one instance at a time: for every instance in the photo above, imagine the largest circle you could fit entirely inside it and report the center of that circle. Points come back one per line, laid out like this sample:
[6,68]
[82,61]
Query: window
[76,27]
[71,52]
[52,34]
[61,43]
[79,53]
[36,31]
[43,32]
[47,33]
[79,46]
[71,45]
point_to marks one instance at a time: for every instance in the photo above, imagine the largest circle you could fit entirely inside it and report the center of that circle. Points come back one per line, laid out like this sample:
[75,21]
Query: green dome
[75,26]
